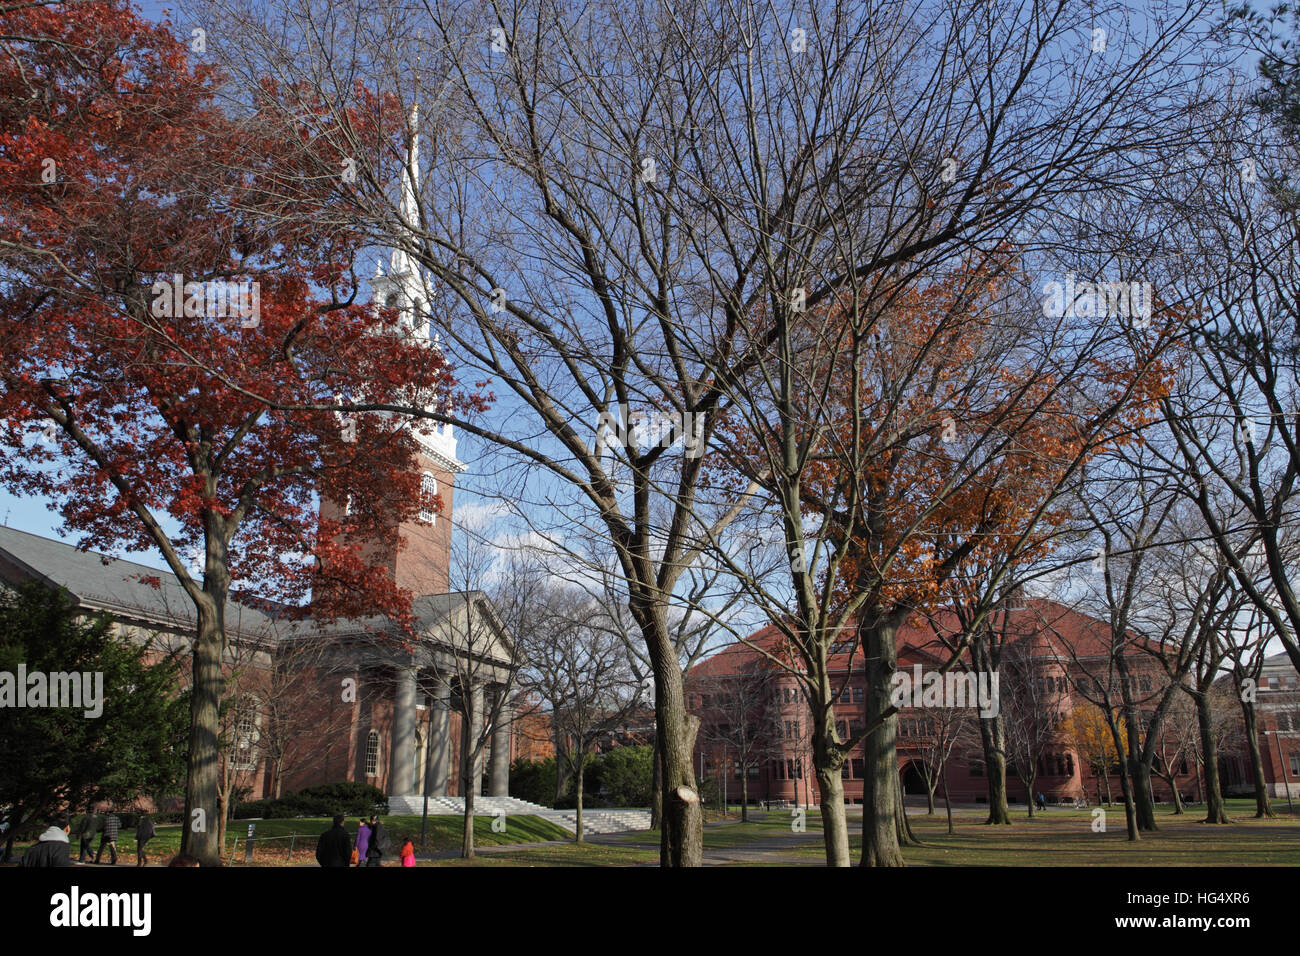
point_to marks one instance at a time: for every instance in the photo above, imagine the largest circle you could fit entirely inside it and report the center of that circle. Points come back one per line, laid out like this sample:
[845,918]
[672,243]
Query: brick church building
[316,702]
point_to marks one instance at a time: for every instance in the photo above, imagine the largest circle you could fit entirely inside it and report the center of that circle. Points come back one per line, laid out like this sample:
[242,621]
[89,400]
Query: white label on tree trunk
[198,820]
[349,690]
[1098,820]
[798,820]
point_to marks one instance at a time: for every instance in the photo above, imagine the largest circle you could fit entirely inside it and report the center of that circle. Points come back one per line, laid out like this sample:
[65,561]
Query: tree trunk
[199,832]
[992,739]
[1143,801]
[562,770]
[1029,791]
[656,789]
[223,815]
[681,840]
[1214,810]
[1139,772]
[744,793]
[1126,785]
[469,783]
[835,826]
[1175,796]
[947,797]
[1263,808]
[905,835]
[881,798]
[578,783]
[929,798]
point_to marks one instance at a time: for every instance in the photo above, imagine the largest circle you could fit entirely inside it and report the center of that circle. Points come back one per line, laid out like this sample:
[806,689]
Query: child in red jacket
[408,853]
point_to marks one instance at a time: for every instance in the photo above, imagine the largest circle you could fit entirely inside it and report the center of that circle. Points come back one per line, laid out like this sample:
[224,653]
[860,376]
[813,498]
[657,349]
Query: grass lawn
[1054,838]
[273,837]
[1057,837]
[1066,838]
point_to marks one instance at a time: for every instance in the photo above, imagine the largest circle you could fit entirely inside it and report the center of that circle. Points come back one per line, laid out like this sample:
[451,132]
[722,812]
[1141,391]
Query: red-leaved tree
[155,413]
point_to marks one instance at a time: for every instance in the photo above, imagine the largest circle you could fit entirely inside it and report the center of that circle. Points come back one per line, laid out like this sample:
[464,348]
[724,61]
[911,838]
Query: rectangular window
[1295,765]
[976,768]
[859,767]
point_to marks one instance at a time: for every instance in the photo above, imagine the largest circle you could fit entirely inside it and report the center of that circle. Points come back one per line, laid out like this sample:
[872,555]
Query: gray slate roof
[114,584]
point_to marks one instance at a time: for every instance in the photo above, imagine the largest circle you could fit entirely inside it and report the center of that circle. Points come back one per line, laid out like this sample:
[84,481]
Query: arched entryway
[913,779]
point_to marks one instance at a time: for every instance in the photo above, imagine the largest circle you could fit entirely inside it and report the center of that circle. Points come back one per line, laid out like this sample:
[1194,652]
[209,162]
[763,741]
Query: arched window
[246,733]
[428,489]
[372,753]
[394,301]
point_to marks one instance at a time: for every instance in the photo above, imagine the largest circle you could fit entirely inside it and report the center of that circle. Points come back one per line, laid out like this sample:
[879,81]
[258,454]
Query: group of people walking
[108,830]
[336,846]
[54,848]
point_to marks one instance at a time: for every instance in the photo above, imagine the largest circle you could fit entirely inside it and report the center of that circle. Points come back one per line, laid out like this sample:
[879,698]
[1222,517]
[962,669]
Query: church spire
[408,209]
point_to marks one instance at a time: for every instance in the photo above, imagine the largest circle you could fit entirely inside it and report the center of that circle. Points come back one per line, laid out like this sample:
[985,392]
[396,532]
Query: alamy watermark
[83,691]
[953,689]
[1116,300]
[215,299]
[640,431]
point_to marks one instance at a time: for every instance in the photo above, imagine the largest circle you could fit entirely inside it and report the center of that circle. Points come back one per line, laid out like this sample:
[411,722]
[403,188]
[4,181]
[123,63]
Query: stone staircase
[593,821]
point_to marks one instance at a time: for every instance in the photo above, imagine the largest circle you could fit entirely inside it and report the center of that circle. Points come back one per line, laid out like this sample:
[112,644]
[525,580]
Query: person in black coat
[52,848]
[143,834]
[86,831]
[380,842]
[334,848]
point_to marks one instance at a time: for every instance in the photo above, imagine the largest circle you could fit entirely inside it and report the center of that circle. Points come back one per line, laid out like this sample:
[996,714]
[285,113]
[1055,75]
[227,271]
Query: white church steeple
[405,286]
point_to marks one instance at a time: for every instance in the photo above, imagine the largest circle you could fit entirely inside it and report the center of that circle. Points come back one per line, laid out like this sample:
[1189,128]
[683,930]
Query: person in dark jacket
[108,838]
[143,834]
[86,830]
[380,843]
[334,848]
[52,848]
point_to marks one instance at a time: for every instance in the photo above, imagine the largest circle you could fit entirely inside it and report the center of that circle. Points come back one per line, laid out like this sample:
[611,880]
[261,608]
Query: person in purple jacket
[363,842]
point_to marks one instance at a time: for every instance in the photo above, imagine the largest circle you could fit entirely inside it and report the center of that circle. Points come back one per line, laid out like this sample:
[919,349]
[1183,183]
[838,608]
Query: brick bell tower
[424,565]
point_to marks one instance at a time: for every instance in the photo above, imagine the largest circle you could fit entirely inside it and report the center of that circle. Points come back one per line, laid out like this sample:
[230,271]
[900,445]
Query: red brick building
[1060,651]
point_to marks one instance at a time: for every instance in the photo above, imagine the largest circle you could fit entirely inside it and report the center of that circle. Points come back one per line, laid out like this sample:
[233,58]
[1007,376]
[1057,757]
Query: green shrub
[533,780]
[623,776]
[349,797]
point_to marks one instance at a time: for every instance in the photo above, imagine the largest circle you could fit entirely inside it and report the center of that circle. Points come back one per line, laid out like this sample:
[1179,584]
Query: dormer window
[428,491]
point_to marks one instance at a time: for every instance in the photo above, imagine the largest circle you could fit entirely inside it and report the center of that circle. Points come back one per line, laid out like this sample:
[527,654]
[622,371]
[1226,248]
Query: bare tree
[741,715]
[614,191]
[479,662]
[1246,650]
[946,732]
[1174,743]
[1032,695]
[574,662]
